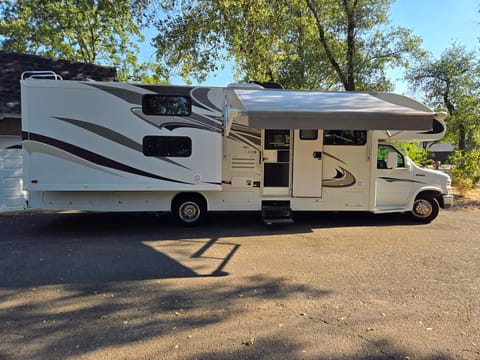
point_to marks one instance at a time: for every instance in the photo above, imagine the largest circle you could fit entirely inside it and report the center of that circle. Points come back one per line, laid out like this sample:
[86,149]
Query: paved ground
[132,286]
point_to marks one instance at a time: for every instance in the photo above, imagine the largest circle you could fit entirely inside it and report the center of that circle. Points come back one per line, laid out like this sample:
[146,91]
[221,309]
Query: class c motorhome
[109,146]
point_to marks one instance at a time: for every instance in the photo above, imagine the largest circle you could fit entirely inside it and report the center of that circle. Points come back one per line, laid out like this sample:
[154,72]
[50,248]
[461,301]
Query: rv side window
[170,105]
[382,155]
[345,137]
[167,146]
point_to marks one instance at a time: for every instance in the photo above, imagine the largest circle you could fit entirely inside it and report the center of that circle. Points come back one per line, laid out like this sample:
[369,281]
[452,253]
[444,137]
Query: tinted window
[162,146]
[345,137]
[277,139]
[309,134]
[172,105]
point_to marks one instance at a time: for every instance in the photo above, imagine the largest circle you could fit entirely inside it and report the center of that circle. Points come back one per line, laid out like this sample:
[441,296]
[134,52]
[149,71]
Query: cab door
[394,185]
[307,163]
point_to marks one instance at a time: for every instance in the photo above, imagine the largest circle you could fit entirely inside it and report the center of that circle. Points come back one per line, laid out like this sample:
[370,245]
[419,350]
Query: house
[13,65]
[441,151]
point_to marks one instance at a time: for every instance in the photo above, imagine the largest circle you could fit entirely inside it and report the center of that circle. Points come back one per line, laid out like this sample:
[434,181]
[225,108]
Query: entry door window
[276,171]
[277,139]
[309,134]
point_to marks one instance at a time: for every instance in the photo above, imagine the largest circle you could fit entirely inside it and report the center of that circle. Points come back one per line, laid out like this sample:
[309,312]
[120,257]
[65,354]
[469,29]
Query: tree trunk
[351,25]
[451,111]
[462,142]
[323,41]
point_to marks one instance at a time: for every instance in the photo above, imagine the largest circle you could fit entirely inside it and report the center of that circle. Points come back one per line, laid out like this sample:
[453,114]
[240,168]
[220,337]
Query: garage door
[12,197]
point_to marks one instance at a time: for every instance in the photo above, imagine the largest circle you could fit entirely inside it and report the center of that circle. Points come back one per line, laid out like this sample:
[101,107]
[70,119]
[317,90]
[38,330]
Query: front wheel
[425,208]
[189,210]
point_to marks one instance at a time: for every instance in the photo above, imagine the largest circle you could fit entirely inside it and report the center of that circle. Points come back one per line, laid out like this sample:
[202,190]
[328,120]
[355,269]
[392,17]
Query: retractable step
[276,212]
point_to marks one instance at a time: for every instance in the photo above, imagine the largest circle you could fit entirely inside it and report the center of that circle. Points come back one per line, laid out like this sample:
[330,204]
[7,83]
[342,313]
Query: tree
[453,82]
[91,31]
[358,43]
[301,43]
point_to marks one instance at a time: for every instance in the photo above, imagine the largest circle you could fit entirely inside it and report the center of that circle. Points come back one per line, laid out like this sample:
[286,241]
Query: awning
[287,109]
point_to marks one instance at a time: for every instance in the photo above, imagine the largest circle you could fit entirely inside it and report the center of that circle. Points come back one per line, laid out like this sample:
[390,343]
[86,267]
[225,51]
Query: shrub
[466,170]
[416,153]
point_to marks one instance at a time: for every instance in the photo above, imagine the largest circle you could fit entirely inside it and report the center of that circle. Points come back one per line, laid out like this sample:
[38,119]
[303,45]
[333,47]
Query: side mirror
[392,160]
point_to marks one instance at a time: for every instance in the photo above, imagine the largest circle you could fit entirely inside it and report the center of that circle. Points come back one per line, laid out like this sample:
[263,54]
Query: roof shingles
[12,65]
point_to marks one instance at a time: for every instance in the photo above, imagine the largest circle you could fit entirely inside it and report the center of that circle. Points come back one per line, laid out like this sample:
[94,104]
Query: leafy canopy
[327,44]
[91,31]
[453,82]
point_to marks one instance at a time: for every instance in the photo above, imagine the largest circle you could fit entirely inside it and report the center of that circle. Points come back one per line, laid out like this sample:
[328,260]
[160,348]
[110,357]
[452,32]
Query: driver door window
[382,155]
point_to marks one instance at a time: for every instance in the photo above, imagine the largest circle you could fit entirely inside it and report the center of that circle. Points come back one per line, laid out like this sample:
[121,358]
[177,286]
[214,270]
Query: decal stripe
[129,96]
[333,157]
[193,121]
[113,136]
[390,179]
[213,183]
[104,132]
[200,98]
[38,147]
[344,178]
[210,121]
[95,158]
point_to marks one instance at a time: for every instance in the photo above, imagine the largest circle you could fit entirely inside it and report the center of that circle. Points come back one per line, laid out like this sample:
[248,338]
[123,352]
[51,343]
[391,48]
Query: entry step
[276,212]
[278,221]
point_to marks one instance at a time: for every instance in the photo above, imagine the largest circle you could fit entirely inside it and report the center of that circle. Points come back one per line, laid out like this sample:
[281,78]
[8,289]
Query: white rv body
[98,146]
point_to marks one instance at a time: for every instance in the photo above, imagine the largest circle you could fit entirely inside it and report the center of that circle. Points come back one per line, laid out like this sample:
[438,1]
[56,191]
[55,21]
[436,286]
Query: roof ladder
[41,74]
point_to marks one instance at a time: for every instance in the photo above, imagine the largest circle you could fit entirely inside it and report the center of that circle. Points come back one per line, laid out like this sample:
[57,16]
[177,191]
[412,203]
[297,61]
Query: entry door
[276,162]
[307,163]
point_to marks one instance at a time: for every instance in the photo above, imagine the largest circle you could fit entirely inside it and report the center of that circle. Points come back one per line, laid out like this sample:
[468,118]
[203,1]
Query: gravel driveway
[332,286]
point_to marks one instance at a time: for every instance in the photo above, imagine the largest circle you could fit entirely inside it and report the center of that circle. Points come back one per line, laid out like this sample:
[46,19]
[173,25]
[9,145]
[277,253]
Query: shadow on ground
[46,249]
[73,284]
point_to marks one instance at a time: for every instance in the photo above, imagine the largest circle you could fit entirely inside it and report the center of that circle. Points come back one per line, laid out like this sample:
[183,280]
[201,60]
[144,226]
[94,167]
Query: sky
[438,22]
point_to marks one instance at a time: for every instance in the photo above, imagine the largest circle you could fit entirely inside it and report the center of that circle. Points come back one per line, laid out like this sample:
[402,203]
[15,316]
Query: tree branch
[323,42]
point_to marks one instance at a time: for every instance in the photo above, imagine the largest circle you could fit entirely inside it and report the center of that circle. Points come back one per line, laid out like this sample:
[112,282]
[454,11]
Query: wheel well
[432,193]
[190,195]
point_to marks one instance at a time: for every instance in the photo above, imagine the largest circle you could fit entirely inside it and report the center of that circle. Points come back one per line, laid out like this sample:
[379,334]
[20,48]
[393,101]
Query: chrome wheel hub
[422,208]
[189,212]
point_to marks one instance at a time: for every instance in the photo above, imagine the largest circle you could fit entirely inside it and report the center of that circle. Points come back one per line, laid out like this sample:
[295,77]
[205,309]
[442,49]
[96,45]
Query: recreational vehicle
[109,146]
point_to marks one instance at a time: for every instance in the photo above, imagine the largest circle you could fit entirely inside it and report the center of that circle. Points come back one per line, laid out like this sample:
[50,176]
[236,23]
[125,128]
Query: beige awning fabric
[288,109]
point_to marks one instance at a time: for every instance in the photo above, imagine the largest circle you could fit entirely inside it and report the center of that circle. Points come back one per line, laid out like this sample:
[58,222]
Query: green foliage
[418,154]
[91,31]
[359,43]
[466,172]
[144,73]
[301,43]
[453,82]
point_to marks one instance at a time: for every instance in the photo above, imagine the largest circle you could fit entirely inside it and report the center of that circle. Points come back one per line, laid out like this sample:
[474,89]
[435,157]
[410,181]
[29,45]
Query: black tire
[425,208]
[189,210]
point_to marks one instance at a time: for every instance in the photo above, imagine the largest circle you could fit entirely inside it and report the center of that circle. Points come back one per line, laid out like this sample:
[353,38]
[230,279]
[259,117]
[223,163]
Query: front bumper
[447,201]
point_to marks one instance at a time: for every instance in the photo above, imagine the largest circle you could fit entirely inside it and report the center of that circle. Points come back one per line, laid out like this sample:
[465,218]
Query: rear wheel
[189,210]
[425,208]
